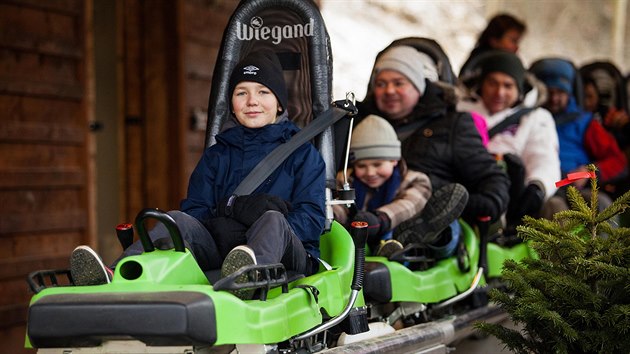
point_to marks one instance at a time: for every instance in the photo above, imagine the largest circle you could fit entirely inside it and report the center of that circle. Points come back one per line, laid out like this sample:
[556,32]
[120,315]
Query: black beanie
[261,66]
[504,62]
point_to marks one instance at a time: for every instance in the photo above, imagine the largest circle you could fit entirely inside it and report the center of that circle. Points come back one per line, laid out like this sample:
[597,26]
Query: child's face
[374,173]
[254,104]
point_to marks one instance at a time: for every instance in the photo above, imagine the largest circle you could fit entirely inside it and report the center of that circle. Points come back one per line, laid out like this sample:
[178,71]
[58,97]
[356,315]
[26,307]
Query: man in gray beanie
[435,139]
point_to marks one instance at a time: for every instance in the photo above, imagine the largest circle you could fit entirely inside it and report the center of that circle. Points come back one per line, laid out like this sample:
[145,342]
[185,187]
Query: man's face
[557,101]
[395,95]
[498,92]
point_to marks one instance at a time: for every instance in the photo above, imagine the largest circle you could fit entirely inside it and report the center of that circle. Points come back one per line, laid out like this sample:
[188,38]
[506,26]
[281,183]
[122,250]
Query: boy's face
[254,104]
[557,100]
[394,94]
[374,173]
[498,92]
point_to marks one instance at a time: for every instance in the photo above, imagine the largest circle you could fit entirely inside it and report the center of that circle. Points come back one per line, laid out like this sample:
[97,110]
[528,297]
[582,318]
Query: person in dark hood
[281,222]
[583,140]
[436,139]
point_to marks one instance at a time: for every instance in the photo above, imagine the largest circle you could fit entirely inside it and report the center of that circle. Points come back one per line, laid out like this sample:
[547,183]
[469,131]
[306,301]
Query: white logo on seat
[256,30]
[250,70]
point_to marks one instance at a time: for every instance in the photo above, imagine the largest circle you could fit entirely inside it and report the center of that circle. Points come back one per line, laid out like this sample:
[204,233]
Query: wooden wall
[45,167]
[166,51]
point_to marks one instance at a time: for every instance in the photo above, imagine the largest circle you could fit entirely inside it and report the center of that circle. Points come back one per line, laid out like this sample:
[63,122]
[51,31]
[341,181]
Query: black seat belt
[267,165]
[515,118]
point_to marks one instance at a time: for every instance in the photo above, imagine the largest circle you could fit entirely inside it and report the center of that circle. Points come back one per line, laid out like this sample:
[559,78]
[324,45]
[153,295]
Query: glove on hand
[530,203]
[248,208]
[378,222]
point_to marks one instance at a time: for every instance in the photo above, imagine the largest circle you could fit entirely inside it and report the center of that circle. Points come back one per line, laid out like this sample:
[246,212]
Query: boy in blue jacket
[281,222]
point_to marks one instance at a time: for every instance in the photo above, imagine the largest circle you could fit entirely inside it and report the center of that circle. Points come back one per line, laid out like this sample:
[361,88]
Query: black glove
[248,208]
[529,203]
[378,222]
[378,225]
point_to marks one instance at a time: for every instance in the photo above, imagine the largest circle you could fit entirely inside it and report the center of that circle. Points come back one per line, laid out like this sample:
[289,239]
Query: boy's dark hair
[497,27]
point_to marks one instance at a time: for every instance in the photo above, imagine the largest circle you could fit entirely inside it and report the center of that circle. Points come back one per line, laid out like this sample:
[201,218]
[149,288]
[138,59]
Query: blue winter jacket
[571,126]
[300,179]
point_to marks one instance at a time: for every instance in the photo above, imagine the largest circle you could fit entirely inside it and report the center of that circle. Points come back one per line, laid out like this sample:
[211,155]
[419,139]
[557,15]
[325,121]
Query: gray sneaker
[239,257]
[87,268]
[445,206]
[389,247]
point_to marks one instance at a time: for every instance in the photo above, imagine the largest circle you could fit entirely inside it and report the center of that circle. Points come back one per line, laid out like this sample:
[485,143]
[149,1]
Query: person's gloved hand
[378,222]
[248,208]
[530,203]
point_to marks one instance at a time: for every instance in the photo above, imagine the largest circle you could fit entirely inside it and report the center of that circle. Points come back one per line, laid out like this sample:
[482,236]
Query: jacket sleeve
[414,192]
[478,171]
[541,151]
[200,199]
[604,151]
[308,198]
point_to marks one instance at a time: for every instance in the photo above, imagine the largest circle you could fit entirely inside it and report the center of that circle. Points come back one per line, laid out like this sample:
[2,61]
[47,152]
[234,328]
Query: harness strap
[267,165]
[514,118]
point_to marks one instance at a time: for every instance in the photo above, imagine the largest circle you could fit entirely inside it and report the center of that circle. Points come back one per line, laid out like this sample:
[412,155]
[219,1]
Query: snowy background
[577,29]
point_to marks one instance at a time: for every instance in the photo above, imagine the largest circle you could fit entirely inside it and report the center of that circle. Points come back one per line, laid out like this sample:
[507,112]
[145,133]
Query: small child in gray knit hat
[387,193]
[394,200]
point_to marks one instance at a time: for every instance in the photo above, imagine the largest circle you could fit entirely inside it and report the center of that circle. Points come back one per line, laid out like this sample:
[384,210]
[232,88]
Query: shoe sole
[239,257]
[388,248]
[87,268]
[444,207]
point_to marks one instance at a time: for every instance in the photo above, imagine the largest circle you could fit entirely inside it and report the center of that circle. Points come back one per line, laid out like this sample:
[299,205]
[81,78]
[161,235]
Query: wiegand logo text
[256,30]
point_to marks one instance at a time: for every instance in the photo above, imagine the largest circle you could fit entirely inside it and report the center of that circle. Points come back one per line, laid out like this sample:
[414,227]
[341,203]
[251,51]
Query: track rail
[432,337]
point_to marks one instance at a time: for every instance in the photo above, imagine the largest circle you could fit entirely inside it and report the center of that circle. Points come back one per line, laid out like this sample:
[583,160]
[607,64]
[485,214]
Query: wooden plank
[34,30]
[162,101]
[13,315]
[199,60]
[52,156]
[40,110]
[37,177]
[48,132]
[73,92]
[205,22]
[39,69]
[73,7]
[132,48]
[21,267]
[12,337]
[197,93]
[44,221]
[39,244]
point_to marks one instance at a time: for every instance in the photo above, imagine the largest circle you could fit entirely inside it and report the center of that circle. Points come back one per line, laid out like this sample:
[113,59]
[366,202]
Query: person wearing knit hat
[436,140]
[407,61]
[556,73]
[281,222]
[387,192]
[524,136]
[262,66]
[398,81]
[583,139]
[374,138]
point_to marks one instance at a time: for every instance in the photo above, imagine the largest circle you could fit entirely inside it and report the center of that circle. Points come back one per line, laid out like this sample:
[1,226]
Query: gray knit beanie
[407,61]
[374,138]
